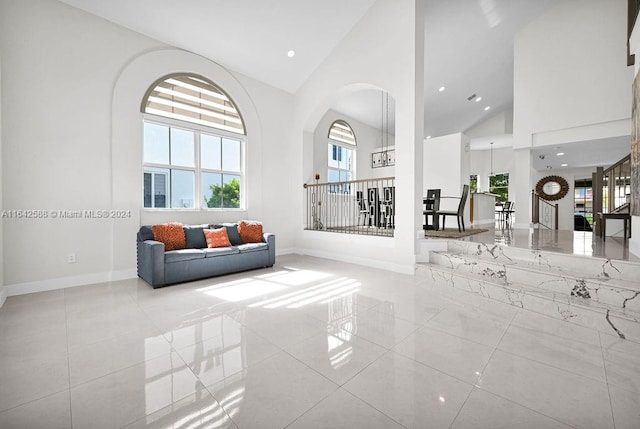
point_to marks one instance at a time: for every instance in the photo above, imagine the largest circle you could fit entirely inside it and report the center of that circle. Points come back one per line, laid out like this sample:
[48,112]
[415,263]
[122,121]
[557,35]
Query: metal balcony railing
[363,207]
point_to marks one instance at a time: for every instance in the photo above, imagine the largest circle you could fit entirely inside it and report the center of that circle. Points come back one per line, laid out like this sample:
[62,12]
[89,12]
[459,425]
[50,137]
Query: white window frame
[198,195]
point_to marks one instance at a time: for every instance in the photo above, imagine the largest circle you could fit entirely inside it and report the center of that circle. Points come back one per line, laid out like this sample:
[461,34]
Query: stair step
[616,293]
[561,263]
[606,318]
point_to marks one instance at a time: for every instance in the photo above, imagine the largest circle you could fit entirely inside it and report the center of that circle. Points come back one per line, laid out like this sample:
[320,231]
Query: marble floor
[583,243]
[309,343]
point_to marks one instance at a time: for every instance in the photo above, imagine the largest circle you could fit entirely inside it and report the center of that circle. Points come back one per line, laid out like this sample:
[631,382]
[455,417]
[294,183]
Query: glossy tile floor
[308,343]
[573,242]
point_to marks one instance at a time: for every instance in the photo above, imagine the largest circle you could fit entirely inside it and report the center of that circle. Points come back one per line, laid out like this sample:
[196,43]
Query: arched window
[341,155]
[194,140]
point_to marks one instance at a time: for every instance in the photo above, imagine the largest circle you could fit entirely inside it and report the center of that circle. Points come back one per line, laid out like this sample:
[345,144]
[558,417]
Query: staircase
[594,292]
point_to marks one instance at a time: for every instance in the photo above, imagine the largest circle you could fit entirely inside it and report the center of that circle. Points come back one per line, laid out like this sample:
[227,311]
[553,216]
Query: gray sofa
[162,268]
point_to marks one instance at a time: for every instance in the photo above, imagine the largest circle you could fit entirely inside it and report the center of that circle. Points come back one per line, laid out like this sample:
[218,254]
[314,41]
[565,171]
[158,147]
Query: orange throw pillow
[171,234]
[250,231]
[217,237]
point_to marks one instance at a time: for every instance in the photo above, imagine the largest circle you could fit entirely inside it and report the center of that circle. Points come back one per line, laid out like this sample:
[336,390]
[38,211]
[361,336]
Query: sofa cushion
[252,247]
[171,234]
[183,255]
[217,251]
[145,233]
[232,232]
[195,236]
[217,237]
[250,231]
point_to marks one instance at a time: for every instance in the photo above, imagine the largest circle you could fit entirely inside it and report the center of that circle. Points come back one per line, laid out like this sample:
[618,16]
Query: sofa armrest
[151,262]
[270,239]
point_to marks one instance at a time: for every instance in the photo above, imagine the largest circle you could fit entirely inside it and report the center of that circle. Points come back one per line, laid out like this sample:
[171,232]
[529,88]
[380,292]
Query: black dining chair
[431,206]
[459,214]
[504,215]
[363,211]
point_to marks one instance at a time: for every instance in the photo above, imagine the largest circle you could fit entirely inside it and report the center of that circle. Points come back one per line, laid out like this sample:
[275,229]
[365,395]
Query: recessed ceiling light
[560,153]
[442,88]
[428,137]
[478,99]
[487,108]
[563,165]
[291,53]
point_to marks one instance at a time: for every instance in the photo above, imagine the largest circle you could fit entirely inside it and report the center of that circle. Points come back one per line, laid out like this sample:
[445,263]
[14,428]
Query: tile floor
[573,242]
[308,343]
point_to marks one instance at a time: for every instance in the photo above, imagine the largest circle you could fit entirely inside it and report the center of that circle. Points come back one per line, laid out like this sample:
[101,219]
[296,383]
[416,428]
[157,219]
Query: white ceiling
[591,153]
[468,48]
[249,36]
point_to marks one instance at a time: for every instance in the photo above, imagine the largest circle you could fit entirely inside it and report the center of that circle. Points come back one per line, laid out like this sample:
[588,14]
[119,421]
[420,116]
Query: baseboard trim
[64,282]
[3,295]
[409,269]
[287,251]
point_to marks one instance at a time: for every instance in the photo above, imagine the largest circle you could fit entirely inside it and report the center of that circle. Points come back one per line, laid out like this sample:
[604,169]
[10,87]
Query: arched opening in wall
[354,165]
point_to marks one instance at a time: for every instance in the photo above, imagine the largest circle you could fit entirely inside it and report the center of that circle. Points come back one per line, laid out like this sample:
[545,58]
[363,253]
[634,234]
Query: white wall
[3,292]
[72,141]
[499,124]
[571,82]
[59,67]
[447,167]
[384,51]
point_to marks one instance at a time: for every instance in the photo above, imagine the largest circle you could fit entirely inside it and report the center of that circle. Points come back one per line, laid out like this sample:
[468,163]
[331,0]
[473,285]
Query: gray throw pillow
[195,236]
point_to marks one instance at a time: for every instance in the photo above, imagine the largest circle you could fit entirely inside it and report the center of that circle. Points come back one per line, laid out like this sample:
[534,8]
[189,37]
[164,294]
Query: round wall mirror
[552,188]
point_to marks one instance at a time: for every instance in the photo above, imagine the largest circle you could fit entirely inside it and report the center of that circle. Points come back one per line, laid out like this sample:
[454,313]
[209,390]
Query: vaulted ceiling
[468,46]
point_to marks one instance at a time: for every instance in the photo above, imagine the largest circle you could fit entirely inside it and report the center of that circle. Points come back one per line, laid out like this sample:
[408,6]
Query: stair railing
[543,213]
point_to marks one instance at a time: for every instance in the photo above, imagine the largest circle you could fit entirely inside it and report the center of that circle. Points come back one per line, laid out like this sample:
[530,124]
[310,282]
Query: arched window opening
[341,154]
[193,145]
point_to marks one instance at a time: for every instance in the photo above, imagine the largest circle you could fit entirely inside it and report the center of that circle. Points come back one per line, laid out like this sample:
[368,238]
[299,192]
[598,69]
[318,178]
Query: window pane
[160,188]
[147,189]
[156,144]
[333,176]
[182,148]
[182,189]
[210,152]
[333,156]
[212,189]
[231,191]
[499,185]
[155,187]
[230,155]
[345,158]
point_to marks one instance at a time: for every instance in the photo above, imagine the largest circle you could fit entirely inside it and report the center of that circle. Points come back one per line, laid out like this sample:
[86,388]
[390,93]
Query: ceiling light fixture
[563,165]
[478,99]
[428,137]
[442,88]
[560,153]
[471,97]
[291,53]
[487,108]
